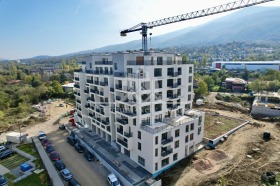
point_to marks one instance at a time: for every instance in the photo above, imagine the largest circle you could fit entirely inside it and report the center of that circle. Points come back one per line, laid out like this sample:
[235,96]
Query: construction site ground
[240,160]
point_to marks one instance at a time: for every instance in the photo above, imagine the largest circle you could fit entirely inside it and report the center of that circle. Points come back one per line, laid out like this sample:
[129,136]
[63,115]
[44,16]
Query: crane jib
[143,27]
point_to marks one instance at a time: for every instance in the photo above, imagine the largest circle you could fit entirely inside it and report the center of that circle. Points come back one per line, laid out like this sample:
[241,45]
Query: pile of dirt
[217,155]
[202,165]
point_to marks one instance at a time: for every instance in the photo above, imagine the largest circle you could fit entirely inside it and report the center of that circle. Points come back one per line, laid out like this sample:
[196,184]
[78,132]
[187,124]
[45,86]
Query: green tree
[57,89]
[1,114]
[209,81]
[202,89]
[257,85]
[273,85]
[204,61]
[185,58]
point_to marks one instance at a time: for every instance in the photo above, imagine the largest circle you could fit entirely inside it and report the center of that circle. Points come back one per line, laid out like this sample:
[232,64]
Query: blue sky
[55,27]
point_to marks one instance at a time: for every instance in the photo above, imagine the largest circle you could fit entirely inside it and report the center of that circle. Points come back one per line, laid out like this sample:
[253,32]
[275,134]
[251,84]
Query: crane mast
[143,27]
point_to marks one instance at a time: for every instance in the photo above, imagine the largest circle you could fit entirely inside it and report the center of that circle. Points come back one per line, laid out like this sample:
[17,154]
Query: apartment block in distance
[141,104]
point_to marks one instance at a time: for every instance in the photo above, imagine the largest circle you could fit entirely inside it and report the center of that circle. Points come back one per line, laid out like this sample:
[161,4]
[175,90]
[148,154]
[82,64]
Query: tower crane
[143,27]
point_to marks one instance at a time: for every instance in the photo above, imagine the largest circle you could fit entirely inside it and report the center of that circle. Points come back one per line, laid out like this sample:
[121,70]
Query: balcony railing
[78,101]
[103,83]
[145,112]
[174,96]
[173,74]
[166,141]
[122,142]
[175,85]
[89,81]
[118,98]
[172,107]
[99,72]
[77,79]
[166,153]
[120,131]
[113,109]
[144,123]
[122,121]
[104,62]
[86,91]
[77,86]
[112,89]
[105,122]
[91,115]
[126,112]
[96,82]
[128,134]
[119,87]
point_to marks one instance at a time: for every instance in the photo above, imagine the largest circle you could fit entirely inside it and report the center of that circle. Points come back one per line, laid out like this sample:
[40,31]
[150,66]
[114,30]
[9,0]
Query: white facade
[261,66]
[142,104]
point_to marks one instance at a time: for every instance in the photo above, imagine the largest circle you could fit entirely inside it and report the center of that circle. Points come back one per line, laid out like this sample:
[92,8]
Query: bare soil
[238,161]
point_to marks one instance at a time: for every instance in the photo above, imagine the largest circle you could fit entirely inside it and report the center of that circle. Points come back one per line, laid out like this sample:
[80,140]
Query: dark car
[6,154]
[41,135]
[3,180]
[71,140]
[59,164]
[45,142]
[79,147]
[89,156]
[49,148]
[54,156]
[73,182]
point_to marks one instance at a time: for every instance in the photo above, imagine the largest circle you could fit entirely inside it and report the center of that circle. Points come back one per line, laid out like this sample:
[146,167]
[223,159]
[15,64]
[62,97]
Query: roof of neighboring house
[69,85]
[236,80]
[13,82]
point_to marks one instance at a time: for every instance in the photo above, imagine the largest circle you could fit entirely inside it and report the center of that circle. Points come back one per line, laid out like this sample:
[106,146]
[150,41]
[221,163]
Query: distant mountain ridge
[246,25]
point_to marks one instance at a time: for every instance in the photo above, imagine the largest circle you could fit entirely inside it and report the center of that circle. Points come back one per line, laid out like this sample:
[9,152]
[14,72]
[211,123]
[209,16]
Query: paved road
[87,173]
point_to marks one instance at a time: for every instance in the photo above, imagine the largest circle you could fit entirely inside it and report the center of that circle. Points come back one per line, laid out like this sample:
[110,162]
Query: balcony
[166,141]
[118,98]
[174,96]
[87,106]
[105,122]
[128,134]
[86,91]
[172,107]
[120,131]
[118,87]
[174,74]
[77,79]
[101,93]
[96,82]
[89,81]
[166,153]
[92,99]
[90,115]
[122,121]
[126,112]
[144,123]
[112,109]
[122,142]
[103,83]
[79,109]
[78,101]
[175,85]
[145,112]
[130,101]
[112,89]
[77,86]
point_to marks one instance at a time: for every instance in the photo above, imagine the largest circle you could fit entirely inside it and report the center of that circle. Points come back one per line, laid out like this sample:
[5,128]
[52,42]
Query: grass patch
[215,126]
[13,161]
[29,148]
[34,180]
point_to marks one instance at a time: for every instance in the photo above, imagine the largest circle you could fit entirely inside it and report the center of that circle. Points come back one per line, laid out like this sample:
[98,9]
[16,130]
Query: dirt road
[87,173]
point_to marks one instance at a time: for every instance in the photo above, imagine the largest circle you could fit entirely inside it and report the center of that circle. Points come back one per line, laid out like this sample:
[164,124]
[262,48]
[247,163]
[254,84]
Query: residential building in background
[261,66]
[142,105]
[235,84]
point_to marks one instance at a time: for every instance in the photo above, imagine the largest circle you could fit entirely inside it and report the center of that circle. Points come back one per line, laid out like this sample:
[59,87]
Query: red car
[54,156]
[45,142]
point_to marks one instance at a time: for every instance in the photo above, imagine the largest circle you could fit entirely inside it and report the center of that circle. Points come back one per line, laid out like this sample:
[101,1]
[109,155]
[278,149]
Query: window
[165,162]
[139,146]
[159,61]
[190,88]
[90,65]
[177,144]
[141,160]
[158,84]
[175,157]
[187,139]
[157,72]
[187,128]
[179,71]
[134,121]
[156,152]
[156,166]
[177,132]
[169,60]
[116,66]
[192,126]
[158,96]
[156,140]
[190,79]
[189,97]
[199,131]
[190,70]
[199,120]
[191,137]
[179,81]
[139,135]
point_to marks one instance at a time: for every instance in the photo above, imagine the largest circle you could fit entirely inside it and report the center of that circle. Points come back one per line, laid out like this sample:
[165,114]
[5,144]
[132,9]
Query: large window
[175,157]
[177,144]
[157,72]
[158,84]
[177,132]
[156,166]
[187,139]
[156,152]
[190,70]
[156,140]
[191,137]
[165,162]
[159,61]
[190,79]
[139,146]
[139,135]
[141,160]
[192,126]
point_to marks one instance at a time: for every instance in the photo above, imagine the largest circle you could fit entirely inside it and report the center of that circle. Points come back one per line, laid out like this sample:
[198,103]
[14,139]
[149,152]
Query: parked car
[66,174]
[2,148]
[6,154]
[54,156]
[49,148]
[45,142]
[113,180]
[79,148]
[71,140]
[41,135]
[3,181]
[73,182]
[59,164]
[89,156]
[61,105]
